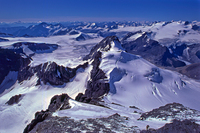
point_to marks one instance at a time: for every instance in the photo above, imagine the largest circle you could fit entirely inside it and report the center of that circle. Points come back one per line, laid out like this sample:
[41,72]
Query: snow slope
[133,80]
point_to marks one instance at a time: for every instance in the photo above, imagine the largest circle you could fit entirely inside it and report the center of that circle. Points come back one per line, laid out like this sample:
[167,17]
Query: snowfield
[136,85]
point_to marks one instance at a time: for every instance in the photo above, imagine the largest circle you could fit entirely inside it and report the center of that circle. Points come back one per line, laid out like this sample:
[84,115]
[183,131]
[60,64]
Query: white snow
[124,71]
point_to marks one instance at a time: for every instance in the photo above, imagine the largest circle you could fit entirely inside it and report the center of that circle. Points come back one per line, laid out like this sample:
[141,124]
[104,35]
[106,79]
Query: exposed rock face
[39,117]
[14,99]
[83,37]
[104,45]
[73,32]
[111,124]
[154,76]
[50,73]
[3,40]
[11,61]
[152,51]
[195,27]
[171,111]
[98,85]
[185,126]
[80,38]
[35,47]
[124,39]
[191,53]
[57,102]
[191,71]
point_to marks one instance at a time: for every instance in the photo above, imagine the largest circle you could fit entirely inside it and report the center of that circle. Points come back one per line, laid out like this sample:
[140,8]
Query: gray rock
[171,111]
[98,85]
[59,102]
[154,76]
[111,124]
[191,71]
[185,126]
[152,51]
[11,61]
[15,99]
[50,73]
[3,40]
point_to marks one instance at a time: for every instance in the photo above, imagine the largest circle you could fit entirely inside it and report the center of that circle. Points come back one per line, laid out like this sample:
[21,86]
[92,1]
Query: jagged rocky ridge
[58,102]
[11,61]
[171,111]
[15,99]
[170,57]
[34,47]
[50,72]
[177,126]
[98,85]
[111,124]
[190,53]
[151,50]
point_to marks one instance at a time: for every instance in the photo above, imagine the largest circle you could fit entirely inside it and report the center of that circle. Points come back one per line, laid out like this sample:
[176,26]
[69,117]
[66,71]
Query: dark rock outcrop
[98,84]
[154,76]
[11,61]
[3,40]
[73,32]
[129,35]
[171,111]
[191,71]
[111,124]
[58,102]
[80,38]
[152,51]
[190,53]
[39,117]
[14,99]
[50,72]
[186,23]
[35,47]
[104,45]
[195,27]
[185,126]
[83,37]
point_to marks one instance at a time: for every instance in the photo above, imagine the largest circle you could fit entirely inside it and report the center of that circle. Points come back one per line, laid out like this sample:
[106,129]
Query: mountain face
[11,30]
[10,62]
[26,47]
[50,72]
[151,50]
[101,77]
[2,40]
[43,29]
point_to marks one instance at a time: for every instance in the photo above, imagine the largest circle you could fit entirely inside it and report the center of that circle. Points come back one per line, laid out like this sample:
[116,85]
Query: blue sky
[99,10]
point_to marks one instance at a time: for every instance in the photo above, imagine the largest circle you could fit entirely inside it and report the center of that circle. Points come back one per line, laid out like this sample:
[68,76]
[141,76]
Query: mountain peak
[107,44]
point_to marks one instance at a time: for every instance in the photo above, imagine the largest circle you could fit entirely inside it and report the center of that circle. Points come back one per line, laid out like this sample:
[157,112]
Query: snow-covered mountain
[42,29]
[76,77]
